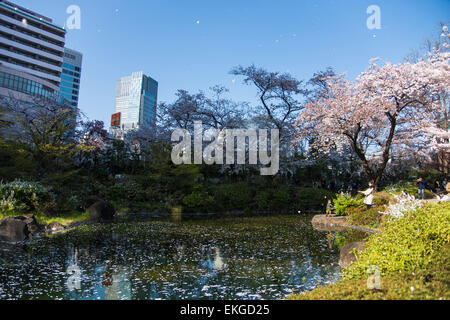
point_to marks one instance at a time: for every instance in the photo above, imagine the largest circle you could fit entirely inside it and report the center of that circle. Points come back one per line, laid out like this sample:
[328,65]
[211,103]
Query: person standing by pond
[330,208]
[421,186]
[368,200]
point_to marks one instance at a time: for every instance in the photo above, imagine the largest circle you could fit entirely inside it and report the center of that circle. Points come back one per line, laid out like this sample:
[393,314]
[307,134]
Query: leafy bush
[382,198]
[262,199]
[409,187]
[348,236]
[345,201]
[429,175]
[198,202]
[234,196]
[307,199]
[407,243]
[23,196]
[273,198]
[361,216]
[125,190]
[280,199]
[413,254]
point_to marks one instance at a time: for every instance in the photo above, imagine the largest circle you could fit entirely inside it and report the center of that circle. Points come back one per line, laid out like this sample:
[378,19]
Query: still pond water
[227,258]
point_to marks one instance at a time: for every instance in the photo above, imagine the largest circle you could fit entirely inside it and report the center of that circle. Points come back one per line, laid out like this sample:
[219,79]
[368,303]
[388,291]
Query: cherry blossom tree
[93,134]
[439,129]
[382,115]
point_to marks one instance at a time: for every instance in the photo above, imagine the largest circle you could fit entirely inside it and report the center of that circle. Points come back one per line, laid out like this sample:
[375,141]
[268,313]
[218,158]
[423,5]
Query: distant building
[136,100]
[71,76]
[21,85]
[31,52]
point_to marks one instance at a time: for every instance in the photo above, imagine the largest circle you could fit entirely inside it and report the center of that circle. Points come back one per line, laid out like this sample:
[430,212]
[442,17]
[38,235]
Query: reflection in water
[218,263]
[116,285]
[234,258]
[330,238]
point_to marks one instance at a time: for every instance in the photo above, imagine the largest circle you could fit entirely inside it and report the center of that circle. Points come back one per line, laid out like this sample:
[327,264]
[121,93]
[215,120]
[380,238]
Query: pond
[223,258]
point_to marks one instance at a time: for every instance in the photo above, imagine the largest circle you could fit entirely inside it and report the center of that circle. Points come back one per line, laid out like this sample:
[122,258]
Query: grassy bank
[65,219]
[412,253]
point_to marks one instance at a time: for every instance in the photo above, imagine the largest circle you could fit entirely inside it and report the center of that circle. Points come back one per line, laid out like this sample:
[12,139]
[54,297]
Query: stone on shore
[335,223]
[54,227]
[17,229]
[91,200]
[102,211]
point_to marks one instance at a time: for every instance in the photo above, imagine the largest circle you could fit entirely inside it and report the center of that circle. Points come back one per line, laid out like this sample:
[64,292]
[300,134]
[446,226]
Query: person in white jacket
[442,197]
[368,200]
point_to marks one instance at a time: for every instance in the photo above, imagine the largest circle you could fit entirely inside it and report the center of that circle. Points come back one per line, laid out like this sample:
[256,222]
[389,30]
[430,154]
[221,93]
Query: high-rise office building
[136,99]
[31,53]
[71,75]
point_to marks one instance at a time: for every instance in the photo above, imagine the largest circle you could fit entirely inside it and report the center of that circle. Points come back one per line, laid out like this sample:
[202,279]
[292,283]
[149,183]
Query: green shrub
[262,199]
[198,202]
[382,198]
[413,254]
[407,243]
[429,175]
[361,216]
[125,190]
[409,187]
[345,201]
[280,199]
[233,196]
[348,236]
[308,199]
[24,196]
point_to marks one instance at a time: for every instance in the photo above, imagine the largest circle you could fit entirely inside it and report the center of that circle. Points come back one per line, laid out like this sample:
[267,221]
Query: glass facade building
[31,42]
[71,76]
[21,84]
[136,100]
[33,59]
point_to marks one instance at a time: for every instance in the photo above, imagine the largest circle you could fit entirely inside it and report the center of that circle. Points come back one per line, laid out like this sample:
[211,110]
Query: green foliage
[429,283]
[348,236]
[281,198]
[65,219]
[410,187]
[23,196]
[370,218]
[382,198]
[270,198]
[262,199]
[235,196]
[429,175]
[345,201]
[198,202]
[124,190]
[15,161]
[307,199]
[413,254]
[406,244]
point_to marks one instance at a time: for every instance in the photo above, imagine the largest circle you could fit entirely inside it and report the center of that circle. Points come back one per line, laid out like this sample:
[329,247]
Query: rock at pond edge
[17,229]
[347,256]
[102,211]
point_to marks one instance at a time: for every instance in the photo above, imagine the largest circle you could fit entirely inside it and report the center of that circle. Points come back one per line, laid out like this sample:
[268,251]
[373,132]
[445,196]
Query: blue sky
[193,44]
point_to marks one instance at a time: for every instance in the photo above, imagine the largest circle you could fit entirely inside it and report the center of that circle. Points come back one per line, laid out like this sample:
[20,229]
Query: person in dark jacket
[421,185]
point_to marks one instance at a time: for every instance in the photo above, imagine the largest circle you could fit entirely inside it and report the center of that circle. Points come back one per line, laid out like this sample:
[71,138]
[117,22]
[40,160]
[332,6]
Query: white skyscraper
[136,99]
